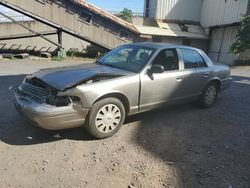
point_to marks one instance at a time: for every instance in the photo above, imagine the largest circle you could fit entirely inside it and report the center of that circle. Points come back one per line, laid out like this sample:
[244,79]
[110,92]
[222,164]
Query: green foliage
[93,51]
[126,14]
[55,58]
[242,42]
[73,53]
[242,63]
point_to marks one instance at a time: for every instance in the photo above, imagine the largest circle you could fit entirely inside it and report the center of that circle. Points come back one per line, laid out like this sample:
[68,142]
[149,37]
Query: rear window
[192,59]
[201,62]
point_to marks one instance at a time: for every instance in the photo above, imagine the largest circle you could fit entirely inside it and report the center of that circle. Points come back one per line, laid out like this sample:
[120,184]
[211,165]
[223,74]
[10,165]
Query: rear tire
[105,118]
[209,95]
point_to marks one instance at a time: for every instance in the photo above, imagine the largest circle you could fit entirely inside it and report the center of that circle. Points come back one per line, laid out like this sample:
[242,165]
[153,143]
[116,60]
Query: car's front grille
[33,91]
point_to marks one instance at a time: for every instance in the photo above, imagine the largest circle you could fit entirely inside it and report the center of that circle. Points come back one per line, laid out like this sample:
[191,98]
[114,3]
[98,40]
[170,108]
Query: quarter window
[192,59]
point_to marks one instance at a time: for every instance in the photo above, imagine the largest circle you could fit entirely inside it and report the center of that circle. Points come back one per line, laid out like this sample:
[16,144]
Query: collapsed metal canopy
[173,30]
[34,33]
[53,24]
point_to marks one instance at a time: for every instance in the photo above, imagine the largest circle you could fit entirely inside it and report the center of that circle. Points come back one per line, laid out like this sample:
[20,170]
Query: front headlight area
[41,92]
[74,101]
[60,101]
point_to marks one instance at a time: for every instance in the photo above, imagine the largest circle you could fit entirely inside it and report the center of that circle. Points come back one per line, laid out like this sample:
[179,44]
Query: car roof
[158,45]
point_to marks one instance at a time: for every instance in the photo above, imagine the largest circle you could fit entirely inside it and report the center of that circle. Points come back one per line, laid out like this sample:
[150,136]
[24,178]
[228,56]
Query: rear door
[195,72]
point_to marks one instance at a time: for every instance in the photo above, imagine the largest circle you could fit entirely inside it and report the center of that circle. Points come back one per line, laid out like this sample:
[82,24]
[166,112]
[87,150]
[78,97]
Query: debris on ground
[45,55]
[8,55]
[57,136]
[131,185]
[13,56]
[21,56]
[45,161]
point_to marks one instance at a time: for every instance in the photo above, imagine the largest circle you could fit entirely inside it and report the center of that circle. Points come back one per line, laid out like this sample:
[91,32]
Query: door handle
[206,74]
[179,78]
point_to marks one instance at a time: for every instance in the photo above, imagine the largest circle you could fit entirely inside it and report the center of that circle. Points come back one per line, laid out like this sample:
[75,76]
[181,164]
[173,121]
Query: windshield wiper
[110,65]
[107,64]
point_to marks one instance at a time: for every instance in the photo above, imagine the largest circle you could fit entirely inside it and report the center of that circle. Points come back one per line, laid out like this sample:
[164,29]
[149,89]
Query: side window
[192,59]
[201,62]
[168,59]
[189,59]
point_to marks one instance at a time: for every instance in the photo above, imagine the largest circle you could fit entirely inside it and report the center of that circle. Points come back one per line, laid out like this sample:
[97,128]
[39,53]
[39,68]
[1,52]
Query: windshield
[130,58]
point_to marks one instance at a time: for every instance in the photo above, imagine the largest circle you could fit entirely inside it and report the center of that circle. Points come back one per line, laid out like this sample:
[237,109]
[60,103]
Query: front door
[159,88]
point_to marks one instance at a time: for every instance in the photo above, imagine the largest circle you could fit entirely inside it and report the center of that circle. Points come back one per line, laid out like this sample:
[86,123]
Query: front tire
[105,118]
[209,95]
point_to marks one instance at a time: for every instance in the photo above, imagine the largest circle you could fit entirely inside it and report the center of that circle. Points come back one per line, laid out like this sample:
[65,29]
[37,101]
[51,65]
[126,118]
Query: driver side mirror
[156,69]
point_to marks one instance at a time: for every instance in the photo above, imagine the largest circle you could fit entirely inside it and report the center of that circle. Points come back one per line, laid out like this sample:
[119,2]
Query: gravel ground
[179,146]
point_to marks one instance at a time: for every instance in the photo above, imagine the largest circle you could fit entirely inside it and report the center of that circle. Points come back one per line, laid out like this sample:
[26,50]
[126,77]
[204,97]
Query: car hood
[67,77]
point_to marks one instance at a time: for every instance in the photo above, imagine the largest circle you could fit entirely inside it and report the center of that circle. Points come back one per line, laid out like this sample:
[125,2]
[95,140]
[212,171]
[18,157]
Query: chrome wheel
[108,118]
[210,94]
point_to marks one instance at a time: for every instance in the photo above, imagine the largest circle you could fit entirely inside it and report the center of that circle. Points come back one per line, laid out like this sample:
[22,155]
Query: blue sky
[117,5]
[3,8]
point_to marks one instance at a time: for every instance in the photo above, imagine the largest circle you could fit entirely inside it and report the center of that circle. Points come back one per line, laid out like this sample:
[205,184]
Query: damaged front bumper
[50,117]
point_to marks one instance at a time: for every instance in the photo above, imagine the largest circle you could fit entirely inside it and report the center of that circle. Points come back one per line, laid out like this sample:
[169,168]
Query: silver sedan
[129,79]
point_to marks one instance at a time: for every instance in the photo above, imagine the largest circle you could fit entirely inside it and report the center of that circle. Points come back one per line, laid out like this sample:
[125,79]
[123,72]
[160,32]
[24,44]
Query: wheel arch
[215,80]
[118,96]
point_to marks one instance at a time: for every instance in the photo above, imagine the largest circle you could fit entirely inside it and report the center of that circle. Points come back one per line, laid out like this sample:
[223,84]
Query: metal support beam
[221,43]
[53,25]
[59,34]
[31,30]
[27,35]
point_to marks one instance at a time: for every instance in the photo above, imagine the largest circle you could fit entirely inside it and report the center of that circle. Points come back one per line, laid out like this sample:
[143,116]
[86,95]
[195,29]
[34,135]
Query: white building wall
[179,10]
[152,8]
[207,12]
[185,10]
[172,40]
[201,44]
[222,12]
[221,41]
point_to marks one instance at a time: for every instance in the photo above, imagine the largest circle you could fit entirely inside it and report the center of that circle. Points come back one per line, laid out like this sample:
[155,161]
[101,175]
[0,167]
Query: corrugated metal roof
[218,12]
[172,29]
[194,31]
[149,30]
[185,10]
